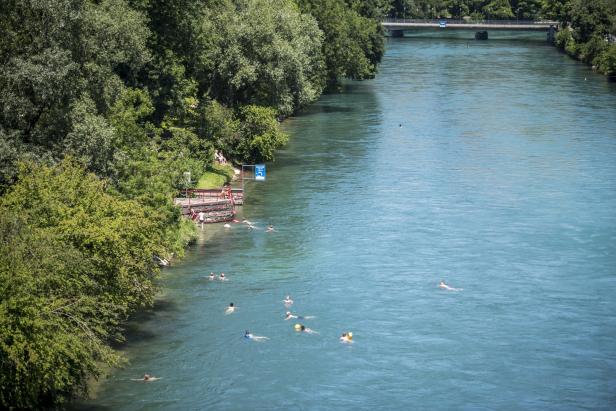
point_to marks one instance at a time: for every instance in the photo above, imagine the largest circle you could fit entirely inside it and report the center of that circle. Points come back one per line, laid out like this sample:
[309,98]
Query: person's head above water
[230,304]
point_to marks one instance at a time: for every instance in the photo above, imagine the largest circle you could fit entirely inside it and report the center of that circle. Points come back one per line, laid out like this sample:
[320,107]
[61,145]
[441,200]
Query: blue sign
[260,172]
[442,24]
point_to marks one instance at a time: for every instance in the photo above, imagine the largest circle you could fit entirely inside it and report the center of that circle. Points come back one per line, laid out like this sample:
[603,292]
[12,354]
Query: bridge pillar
[552,33]
[481,35]
[397,33]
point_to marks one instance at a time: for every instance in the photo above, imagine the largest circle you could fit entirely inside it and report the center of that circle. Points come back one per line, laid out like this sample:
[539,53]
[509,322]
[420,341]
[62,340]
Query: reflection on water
[488,165]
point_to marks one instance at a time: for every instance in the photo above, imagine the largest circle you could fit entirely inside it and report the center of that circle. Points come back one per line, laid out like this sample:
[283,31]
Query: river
[490,165]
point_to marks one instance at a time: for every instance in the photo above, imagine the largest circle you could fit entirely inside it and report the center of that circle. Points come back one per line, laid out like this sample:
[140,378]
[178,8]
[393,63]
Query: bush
[606,62]
[260,132]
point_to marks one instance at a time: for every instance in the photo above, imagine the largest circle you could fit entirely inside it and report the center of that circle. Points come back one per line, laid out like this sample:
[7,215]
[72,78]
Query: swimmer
[250,225]
[302,328]
[346,338]
[222,277]
[289,316]
[270,228]
[249,336]
[287,301]
[212,276]
[146,378]
[230,309]
[400,125]
[227,225]
[444,286]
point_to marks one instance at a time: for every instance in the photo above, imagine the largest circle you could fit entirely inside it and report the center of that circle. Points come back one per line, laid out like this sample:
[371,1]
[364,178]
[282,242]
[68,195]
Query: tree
[260,132]
[74,260]
[261,52]
[56,56]
[353,44]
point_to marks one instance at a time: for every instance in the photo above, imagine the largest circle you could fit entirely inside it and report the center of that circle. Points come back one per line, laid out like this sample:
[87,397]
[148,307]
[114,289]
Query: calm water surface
[501,181]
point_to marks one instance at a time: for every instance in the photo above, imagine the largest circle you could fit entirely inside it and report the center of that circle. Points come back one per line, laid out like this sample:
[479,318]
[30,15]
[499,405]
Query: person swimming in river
[346,338]
[212,276]
[270,228]
[250,225]
[289,316]
[222,277]
[146,378]
[444,286]
[249,336]
[288,301]
[230,309]
[303,329]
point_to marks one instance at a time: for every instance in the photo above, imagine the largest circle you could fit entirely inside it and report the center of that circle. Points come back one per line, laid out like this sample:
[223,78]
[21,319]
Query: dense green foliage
[104,104]
[353,42]
[73,261]
[474,10]
[590,32]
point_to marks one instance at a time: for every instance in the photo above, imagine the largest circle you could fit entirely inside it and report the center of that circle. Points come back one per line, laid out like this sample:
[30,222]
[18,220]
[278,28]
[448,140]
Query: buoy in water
[350,335]
[298,327]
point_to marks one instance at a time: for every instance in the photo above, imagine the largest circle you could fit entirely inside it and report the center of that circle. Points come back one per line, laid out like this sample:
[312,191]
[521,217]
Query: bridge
[396,27]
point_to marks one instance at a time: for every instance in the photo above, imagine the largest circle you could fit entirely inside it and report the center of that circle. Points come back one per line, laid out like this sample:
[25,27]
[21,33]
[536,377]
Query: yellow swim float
[298,327]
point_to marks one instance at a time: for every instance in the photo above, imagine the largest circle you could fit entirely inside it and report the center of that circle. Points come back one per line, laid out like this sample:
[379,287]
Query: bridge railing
[461,21]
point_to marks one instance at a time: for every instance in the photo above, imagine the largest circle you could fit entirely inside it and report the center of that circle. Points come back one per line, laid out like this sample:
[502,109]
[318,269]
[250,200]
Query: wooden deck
[217,205]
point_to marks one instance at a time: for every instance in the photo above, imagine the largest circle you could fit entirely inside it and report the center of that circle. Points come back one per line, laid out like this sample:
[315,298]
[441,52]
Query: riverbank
[599,51]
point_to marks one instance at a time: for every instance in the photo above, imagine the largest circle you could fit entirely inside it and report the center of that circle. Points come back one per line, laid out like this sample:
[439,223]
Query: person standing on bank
[201,218]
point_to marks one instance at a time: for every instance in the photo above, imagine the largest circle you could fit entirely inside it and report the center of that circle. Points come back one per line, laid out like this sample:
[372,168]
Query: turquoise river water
[501,181]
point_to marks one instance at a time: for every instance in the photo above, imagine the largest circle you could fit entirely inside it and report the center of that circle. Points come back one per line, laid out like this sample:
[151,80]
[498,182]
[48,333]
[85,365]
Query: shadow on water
[325,108]
[138,328]
[82,406]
